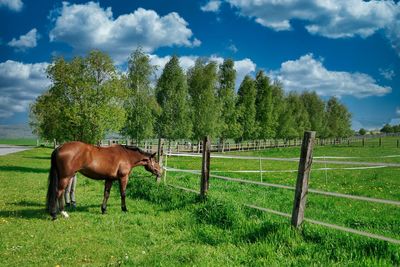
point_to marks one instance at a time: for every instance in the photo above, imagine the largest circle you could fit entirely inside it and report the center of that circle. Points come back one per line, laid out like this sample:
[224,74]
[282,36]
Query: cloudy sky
[344,48]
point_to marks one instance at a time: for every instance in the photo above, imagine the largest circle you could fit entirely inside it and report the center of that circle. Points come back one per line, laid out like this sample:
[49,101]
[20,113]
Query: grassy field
[18,141]
[169,227]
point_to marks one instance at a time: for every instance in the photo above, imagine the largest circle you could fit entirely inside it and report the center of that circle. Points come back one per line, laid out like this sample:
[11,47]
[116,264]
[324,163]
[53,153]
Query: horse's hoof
[124,209]
[103,210]
[53,216]
[64,214]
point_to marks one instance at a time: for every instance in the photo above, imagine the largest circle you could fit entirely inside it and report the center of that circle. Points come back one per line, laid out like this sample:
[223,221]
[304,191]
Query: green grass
[19,141]
[169,227]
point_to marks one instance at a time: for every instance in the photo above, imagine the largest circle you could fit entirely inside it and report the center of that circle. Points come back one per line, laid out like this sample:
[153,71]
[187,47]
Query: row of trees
[387,128]
[88,98]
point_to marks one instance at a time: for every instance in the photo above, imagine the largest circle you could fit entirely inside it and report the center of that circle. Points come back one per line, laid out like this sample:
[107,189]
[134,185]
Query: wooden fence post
[159,154]
[398,143]
[380,141]
[302,179]
[205,167]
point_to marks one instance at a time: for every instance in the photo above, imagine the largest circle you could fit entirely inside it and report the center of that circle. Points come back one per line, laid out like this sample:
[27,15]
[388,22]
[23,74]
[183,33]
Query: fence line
[291,171]
[188,146]
[333,226]
[387,164]
[315,191]
[301,189]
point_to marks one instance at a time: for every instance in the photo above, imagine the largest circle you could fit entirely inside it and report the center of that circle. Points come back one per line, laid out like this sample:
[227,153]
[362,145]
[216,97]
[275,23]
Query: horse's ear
[153,155]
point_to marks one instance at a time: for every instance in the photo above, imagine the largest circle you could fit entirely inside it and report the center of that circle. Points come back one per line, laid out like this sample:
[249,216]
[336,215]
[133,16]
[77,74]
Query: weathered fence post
[300,196]
[380,141]
[159,154]
[205,167]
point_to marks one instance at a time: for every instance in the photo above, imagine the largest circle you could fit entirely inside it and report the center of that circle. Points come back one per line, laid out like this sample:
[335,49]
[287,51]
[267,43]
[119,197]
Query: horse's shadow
[39,157]
[23,169]
[37,210]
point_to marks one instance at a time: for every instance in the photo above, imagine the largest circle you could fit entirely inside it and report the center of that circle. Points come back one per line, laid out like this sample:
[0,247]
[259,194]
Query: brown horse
[99,163]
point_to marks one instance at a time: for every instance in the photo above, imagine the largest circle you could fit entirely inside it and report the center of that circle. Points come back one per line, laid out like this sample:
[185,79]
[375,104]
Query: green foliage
[202,80]
[84,101]
[338,119]
[172,96]
[267,124]
[362,131]
[229,127]
[141,105]
[88,99]
[246,105]
[387,128]
[315,108]
[278,103]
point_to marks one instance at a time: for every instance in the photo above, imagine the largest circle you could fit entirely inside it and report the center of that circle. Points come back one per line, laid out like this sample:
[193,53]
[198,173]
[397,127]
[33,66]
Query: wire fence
[363,165]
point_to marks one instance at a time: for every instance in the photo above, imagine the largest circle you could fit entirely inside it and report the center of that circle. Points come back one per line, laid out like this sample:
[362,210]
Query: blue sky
[344,48]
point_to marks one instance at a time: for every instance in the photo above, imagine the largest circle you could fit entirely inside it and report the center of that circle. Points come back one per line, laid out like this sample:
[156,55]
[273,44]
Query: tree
[229,127]
[141,105]
[387,128]
[172,96]
[315,108]
[202,82]
[247,108]
[338,119]
[294,121]
[264,107]
[278,111]
[362,131]
[84,100]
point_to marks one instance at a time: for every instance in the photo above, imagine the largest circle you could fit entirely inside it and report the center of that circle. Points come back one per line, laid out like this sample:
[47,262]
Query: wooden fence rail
[301,189]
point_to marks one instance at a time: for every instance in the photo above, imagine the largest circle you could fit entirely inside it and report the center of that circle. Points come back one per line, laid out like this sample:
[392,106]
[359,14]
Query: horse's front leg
[122,188]
[107,189]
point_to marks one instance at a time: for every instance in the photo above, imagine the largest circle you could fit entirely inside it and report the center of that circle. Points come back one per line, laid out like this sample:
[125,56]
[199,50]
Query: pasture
[170,227]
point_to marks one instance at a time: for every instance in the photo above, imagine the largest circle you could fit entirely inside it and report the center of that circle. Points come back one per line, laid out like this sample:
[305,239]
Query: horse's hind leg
[60,195]
[107,189]
[122,188]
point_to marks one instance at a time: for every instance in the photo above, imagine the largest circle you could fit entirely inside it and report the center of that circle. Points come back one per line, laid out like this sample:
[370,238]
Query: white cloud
[329,18]
[242,67]
[388,74]
[29,40]
[88,26]
[211,6]
[393,31]
[398,111]
[14,5]
[307,73]
[20,84]
[232,48]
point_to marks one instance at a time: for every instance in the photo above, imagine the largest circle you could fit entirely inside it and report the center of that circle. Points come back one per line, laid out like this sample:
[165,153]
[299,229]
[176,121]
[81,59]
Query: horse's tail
[51,200]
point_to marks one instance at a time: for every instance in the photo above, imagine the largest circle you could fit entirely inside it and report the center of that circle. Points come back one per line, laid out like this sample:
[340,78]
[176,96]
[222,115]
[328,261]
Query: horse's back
[92,161]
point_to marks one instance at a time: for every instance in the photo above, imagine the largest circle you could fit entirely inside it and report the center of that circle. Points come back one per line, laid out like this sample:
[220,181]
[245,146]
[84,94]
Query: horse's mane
[137,149]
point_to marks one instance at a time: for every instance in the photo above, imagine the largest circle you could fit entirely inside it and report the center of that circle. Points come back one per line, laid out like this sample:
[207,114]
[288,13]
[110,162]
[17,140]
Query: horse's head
[151,165]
